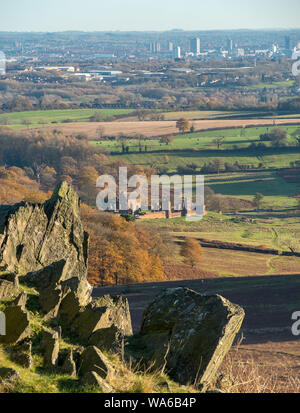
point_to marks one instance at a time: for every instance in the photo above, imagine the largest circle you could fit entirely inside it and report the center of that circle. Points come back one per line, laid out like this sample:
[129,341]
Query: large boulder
[17,325]
[34,236]
[188,334]
[103,313]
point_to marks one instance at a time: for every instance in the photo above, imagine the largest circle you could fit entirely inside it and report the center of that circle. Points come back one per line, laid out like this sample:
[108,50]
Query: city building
[155,47]
[2,64]
[229,45]
[177,52]
[195,46]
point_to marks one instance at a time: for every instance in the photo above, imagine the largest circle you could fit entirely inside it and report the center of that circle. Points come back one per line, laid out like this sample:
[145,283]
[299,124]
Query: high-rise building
[177,53]
[155,47]
[229,45]
[2,64]
[170,47]
[195,46]
[287,43]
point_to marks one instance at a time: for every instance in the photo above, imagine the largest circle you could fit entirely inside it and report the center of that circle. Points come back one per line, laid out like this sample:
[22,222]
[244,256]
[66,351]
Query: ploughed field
[157,128]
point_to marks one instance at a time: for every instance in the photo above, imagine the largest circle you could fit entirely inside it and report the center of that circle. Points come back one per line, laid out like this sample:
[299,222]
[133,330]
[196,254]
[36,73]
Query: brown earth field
[158,128]
[265,347]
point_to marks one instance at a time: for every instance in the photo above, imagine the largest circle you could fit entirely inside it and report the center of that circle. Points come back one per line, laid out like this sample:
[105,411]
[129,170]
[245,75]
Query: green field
[201,140]
[274,85]
[18,120]
[199,148]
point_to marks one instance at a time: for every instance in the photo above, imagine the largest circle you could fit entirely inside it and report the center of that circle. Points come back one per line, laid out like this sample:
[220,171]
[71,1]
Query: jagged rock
[92,359]
[9,286]
[21,300]
[108,339]
[189,334]
[68,364]
[93,379]
[7,374]
[22,354]
[50,300]
[49,276]
[17,325]
[34,236]
[69,307]
[50,345]
[57,275]
[103,313]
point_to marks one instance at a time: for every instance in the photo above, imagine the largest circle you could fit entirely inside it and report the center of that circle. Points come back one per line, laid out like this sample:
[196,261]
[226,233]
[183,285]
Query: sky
[157,15]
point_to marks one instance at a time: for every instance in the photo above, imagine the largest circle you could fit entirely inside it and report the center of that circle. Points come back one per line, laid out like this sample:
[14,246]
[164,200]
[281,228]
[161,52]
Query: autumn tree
[167,139]
[191,250]
[183,125]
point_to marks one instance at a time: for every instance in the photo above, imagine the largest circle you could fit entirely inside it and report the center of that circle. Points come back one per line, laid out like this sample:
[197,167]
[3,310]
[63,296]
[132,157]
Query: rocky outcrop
[17,325]
[188,334]
[34,236]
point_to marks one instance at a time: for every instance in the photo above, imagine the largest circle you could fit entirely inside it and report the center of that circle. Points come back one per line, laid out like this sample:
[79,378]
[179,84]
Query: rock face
[189,334]
[34,236]
[17,325]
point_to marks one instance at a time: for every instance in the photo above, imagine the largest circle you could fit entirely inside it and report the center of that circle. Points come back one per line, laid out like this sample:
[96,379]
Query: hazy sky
[94,15]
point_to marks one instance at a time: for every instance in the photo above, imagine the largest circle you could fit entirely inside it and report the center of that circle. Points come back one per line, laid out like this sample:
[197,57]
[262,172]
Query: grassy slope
[40,380]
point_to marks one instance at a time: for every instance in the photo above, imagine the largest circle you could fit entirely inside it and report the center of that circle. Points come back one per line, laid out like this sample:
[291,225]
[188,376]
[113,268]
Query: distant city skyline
[142,15]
